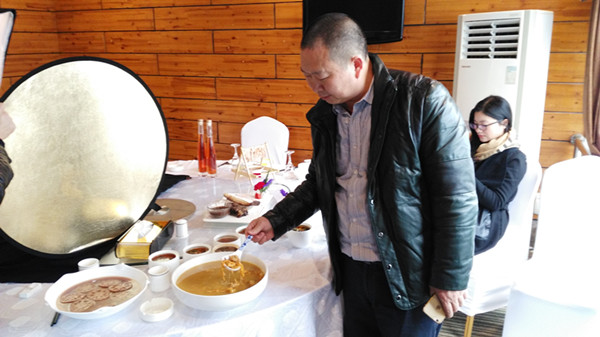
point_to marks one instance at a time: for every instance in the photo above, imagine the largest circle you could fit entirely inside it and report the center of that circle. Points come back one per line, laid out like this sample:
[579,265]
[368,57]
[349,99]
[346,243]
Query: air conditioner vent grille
[491,39]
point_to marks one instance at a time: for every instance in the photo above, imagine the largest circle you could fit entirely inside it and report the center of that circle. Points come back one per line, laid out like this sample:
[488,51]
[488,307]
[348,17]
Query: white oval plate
[69,280]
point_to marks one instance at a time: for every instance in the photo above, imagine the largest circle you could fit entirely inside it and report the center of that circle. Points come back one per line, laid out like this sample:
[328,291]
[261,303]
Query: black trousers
[369,309]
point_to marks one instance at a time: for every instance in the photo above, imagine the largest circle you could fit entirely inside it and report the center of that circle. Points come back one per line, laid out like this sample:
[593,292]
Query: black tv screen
[381,20]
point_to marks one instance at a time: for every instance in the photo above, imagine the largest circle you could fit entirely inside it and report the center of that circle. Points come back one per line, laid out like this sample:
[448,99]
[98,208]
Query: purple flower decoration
[283,192]
[268,183]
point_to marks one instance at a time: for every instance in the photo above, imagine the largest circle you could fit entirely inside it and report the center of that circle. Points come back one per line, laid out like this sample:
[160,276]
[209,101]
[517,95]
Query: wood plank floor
[488,324]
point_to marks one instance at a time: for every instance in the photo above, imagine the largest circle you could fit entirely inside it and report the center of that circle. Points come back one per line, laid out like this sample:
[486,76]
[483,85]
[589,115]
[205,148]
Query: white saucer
[156,309]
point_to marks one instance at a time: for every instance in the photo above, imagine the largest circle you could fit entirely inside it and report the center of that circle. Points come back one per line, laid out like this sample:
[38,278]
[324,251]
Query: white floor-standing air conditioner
[506,54]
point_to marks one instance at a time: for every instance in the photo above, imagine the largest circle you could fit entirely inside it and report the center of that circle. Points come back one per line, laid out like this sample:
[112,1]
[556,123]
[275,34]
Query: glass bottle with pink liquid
[211,156]
[202,167]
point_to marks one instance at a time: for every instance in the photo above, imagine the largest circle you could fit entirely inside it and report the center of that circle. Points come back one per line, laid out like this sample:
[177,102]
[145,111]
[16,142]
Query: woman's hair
[341,35]
[495,107]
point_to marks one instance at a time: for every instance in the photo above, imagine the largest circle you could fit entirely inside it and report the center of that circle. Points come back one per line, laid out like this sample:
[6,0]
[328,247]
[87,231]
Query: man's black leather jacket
[421,187]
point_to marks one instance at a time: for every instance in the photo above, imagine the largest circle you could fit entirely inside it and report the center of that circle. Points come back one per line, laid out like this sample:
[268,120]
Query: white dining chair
[555,294]
[270,131]
[494,270]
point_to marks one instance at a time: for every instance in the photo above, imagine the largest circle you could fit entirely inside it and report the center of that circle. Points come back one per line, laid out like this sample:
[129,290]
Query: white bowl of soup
[200,283]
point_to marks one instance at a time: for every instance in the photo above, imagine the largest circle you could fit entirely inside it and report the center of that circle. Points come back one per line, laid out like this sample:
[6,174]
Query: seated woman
[499,167]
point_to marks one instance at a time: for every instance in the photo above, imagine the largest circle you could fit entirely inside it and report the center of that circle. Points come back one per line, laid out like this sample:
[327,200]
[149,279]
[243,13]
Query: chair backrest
[267,130]
[494,270]
[568,223]
[551,295]
[520,210]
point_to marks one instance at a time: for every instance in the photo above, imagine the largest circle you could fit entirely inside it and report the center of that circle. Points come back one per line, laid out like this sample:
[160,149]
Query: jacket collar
[385,90]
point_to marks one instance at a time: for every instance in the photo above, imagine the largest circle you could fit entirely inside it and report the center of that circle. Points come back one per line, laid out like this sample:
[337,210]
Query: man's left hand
[451,300]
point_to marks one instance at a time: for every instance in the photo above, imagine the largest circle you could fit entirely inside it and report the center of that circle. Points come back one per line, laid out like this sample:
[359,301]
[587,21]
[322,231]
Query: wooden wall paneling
[230,133]
[293,114]
[34,43]
[35,21]
[300,138]
[300,155]
[223,151]
[19,65]
[182,87]
[105,20]
[414,12]
[159,42]
[36,5]
[561,125]
[140,64]
[182,129]
[187,150]
[564,97]
[422,39]
[443,11]
[214,65]
[251,68]
[406,62]
[74,5]
[259,16]
[566,67]
[288,15]
[277,41]
[5,85]
[569,37]
[182,150]
[552,152]
[222,111]
[108,4]
[264,90]
[92,42]
[288,66]
[439,66]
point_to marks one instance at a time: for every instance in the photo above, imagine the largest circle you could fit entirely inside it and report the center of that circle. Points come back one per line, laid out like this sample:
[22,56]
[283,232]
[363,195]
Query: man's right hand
[261,229]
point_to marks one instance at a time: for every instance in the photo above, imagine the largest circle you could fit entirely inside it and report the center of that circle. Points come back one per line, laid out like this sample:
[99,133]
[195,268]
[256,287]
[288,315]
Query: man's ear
[358,64]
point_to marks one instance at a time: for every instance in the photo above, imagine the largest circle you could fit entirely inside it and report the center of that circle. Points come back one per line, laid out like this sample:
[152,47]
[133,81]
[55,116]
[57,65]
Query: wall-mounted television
[381,20]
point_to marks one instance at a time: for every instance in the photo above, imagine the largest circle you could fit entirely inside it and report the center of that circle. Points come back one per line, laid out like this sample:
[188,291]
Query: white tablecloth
[298,299]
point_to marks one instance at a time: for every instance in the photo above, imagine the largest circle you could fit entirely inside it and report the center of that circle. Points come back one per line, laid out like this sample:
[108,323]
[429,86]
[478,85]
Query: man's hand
[7,126]
[451,300]
[261,229]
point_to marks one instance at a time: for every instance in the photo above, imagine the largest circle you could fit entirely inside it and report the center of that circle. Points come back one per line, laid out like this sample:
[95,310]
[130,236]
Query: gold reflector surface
[88,153]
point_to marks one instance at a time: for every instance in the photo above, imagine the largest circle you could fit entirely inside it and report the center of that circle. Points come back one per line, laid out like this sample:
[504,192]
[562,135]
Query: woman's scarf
[486,150]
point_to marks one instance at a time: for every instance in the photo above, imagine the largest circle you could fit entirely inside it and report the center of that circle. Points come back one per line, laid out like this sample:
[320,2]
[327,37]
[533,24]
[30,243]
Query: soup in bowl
[227,301]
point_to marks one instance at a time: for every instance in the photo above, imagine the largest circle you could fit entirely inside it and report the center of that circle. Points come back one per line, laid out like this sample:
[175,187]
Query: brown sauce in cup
[226,249]
[197,250]
[227,239]
[301,228]
[164,257]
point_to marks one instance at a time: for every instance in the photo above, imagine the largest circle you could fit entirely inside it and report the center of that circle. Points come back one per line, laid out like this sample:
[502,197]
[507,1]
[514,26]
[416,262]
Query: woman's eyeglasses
[481,127]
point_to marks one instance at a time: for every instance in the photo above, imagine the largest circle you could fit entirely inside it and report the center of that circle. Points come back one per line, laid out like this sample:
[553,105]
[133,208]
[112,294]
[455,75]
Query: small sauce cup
[195,249]
[167,257]
[227,237]
[301,236]
[226,247]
